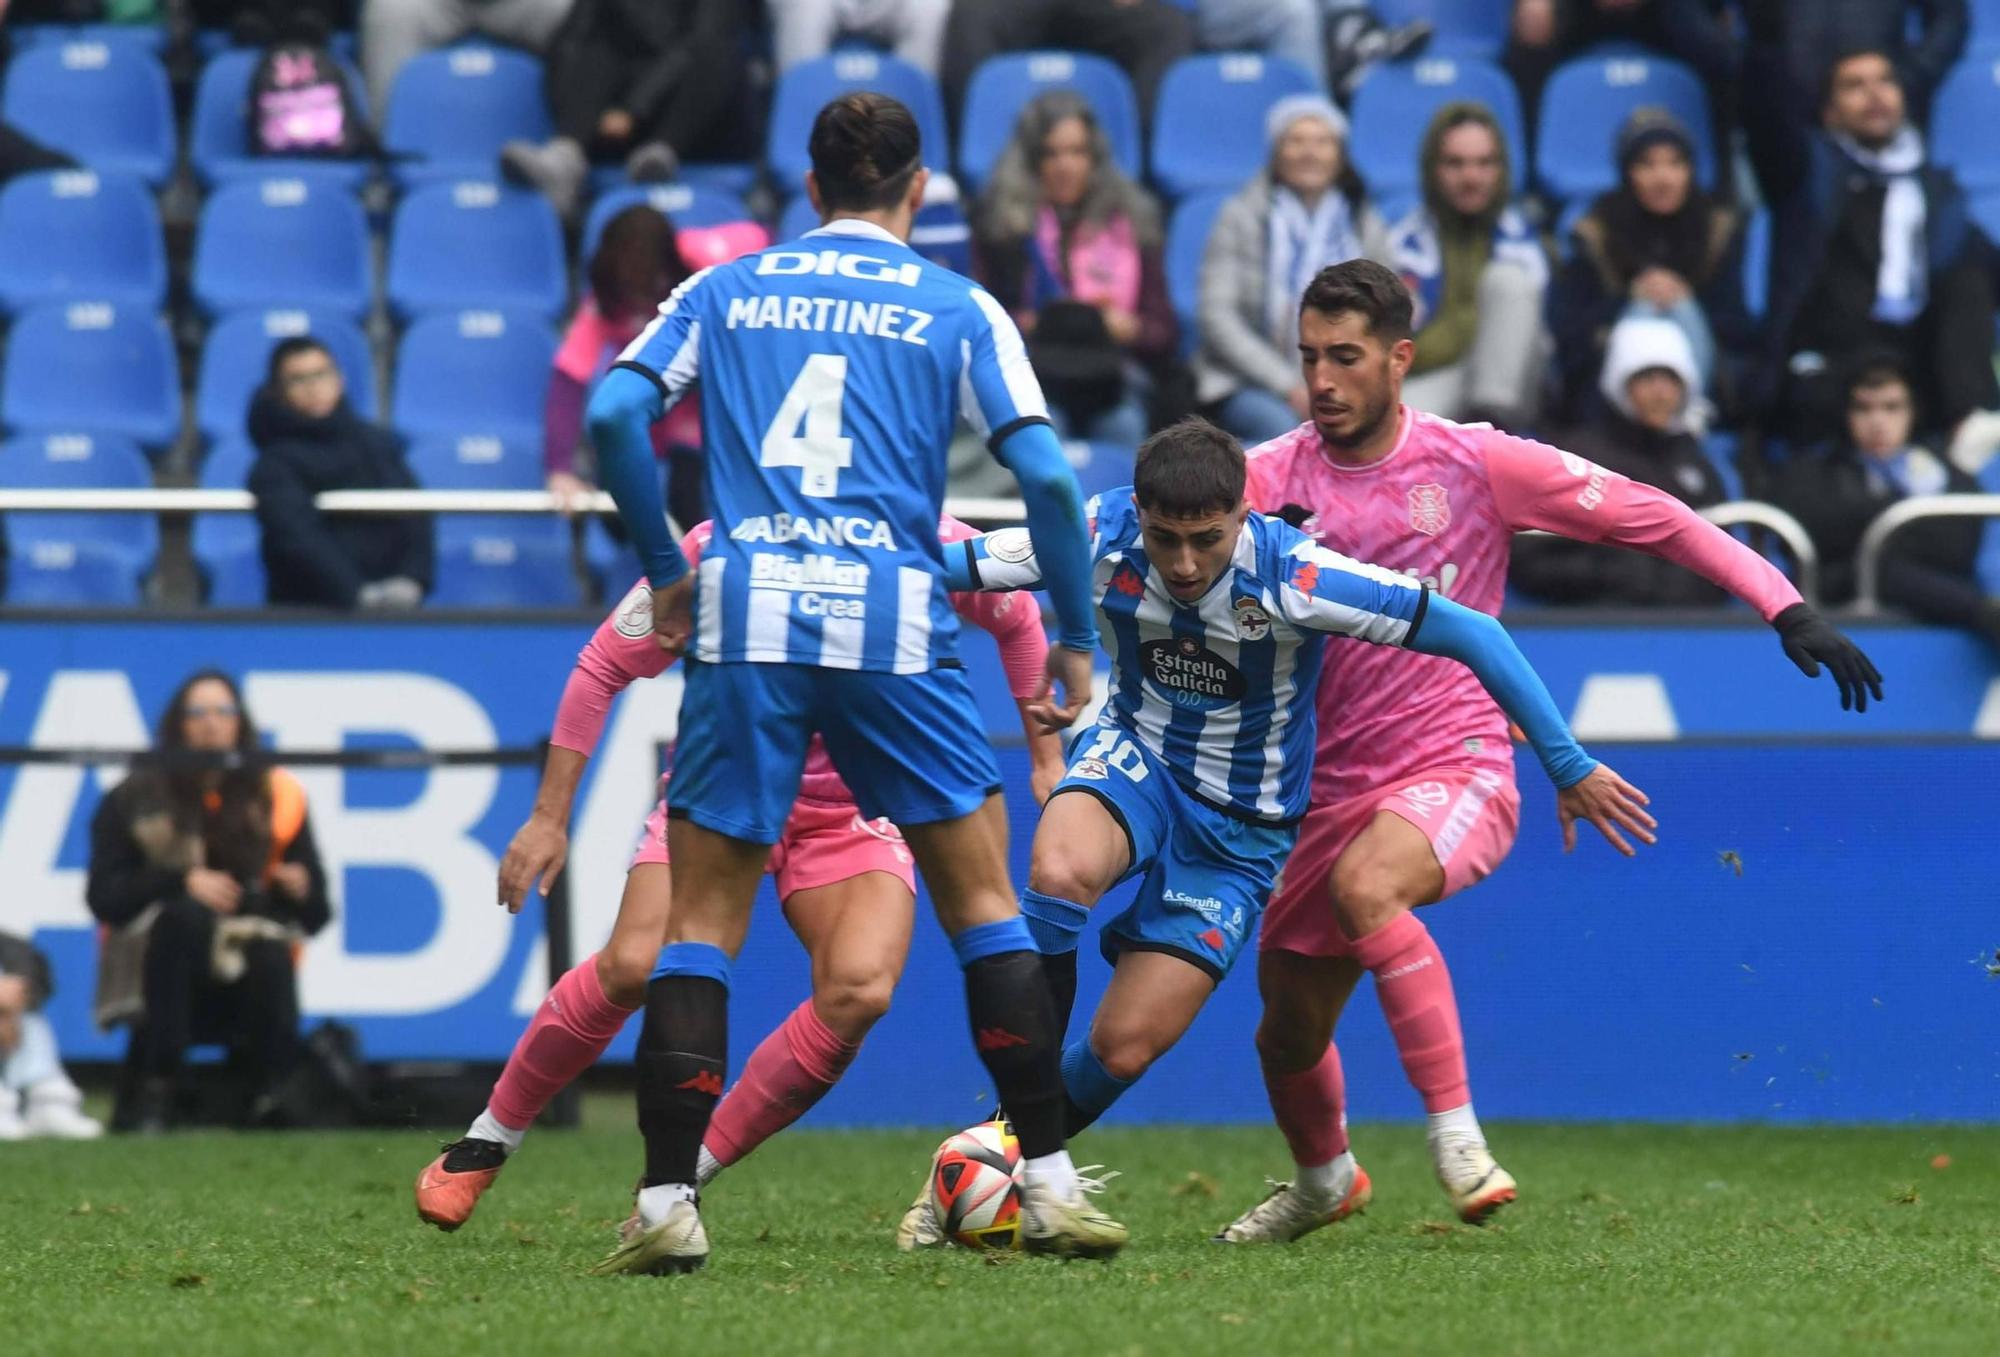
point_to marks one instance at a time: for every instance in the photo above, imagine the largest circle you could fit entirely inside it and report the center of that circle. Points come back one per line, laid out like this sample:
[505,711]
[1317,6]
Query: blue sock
[1089,1085]
[985,940]
[693,958]
[1055,924]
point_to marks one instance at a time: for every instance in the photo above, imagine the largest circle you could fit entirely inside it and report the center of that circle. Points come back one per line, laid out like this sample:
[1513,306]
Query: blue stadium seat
[476,244]
[93,366]
[1394,106]
[219,129]
[682,204]
[476,462]
[146,37]
[1476,28]
[106,103]
[1004,85]
[1985,38]
[798,219]
[237,354]
[64,559]
[504,561]
[809,86]
[1589,98]
[476,372]
[1099,466]
[1757,261]
[1208,130]
[940,233]
[73,234]
[613,565]
[283,242]
[1187,239]
[453,109]
[226,547]
[1963,116]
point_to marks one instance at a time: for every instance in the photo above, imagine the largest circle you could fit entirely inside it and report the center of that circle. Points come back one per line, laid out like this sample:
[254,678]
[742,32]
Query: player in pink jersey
[845,884]
[1413,793]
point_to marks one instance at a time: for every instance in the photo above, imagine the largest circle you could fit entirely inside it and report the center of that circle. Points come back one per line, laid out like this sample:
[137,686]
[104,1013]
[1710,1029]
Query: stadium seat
[1476,28]
[227,548]
[451,110]
[72,234]
[93,366]
[1099,466]
[799,218]
[809,86]
[237,354]
[1004,85]
[682,204]
[1588,100]
[283,242]
[65,559]
[1394,107]
[150,37]
[219,128]
[504,561]
[1209,128]
[1963,116]
[476,372]
[476,462]
[613,565]
[1985,38]
[106,103]
[1187,239]
[476,244]
[1757,261]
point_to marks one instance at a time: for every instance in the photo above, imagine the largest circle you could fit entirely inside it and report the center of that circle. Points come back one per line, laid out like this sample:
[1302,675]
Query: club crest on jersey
[635,614]
[1430,508]
[1252,622]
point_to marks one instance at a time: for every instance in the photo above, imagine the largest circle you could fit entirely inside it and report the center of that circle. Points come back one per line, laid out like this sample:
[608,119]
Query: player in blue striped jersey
[1195,774]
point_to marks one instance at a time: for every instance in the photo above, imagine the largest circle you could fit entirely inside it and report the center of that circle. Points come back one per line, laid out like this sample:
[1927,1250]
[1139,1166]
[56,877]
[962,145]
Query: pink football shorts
[1470,816]
[823,842]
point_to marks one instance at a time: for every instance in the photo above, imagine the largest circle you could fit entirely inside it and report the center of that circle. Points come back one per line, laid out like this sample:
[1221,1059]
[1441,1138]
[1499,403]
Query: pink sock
[1311,1108]
[788,1072]
[570,1029]
[1415,991]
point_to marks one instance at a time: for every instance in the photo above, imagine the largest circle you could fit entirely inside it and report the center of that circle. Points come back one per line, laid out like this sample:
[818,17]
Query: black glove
[1809,642]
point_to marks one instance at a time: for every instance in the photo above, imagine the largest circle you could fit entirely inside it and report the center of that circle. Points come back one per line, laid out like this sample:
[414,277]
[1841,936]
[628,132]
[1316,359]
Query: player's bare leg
[1377,882]
[1080,851]
[585,1009]
[964,862]
[1303,998]
[1150,1003]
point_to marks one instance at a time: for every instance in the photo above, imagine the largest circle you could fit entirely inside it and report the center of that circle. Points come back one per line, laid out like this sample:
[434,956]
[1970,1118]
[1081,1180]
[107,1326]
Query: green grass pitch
[1627,1239]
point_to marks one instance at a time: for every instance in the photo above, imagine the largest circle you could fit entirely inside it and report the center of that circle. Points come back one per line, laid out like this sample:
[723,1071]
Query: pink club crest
[1430,508]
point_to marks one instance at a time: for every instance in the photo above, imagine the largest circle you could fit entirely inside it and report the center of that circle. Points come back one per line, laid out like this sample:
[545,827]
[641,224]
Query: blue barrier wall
[1838,977]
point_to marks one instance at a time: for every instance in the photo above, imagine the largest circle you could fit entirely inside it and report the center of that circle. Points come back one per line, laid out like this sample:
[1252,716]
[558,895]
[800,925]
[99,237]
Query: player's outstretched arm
[1811,641]
[540,846]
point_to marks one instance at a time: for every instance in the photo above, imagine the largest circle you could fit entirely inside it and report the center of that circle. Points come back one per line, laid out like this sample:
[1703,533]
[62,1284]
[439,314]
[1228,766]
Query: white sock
[656,1201]
[486,1126]
[1455,1123]
[1053,1173]
[1329,1182]
[705,1168]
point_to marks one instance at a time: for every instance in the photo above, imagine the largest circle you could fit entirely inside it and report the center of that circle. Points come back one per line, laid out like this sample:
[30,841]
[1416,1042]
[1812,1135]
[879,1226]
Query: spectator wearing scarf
[1305,211]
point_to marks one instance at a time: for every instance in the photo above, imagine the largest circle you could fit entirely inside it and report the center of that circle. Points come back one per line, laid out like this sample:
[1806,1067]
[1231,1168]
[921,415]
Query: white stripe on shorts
[1465,814]
[913,619]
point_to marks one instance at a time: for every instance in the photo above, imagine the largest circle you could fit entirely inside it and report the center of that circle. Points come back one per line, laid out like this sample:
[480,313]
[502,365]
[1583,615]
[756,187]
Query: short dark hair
[1846,55]
[1877,367]
[865,150]
[287,349]
[1189,469]
[1364,288]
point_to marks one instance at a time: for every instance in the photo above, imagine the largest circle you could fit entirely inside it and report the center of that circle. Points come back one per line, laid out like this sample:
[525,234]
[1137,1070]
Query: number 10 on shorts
[1112,748]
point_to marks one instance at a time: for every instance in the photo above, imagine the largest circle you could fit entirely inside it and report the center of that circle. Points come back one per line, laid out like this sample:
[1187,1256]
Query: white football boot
[677,1244]
[920,1227]
[1069,1227]
[1286,1213]
[1475,1184]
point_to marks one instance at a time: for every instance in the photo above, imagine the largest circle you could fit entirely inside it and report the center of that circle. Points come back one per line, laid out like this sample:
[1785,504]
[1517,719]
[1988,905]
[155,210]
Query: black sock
[683,1052]
[1014,1029]
[1060,970]
[1075,1119]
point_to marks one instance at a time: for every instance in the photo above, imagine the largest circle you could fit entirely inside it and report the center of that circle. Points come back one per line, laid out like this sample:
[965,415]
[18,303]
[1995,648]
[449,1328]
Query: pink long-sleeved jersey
[623,649]
[1443,506]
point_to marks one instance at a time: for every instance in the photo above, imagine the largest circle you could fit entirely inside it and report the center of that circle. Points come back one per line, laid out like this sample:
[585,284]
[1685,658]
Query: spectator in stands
[208,879]
[639,261]
[1143,36]
[1648,429]
[37,1097]
[1072,248]
[1655,245]
[309,439]
[1545,33]
[1875,248]
[1307,210]
[1478,273]
[393,31]
[1945,570]
[264,23]
[643,82]
[913,29]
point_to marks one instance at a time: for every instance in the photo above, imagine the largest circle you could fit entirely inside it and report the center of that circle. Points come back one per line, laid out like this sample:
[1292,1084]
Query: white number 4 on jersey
[818,450]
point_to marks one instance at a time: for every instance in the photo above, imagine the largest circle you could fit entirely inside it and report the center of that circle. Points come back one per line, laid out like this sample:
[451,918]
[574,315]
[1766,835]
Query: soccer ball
[976,1183]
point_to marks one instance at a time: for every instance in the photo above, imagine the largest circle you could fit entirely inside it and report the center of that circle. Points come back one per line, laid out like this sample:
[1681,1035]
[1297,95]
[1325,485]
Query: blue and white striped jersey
[833,371]
[1221,689]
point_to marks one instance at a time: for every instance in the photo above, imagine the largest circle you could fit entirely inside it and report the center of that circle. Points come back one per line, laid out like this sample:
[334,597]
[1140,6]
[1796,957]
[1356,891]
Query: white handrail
[1868,555]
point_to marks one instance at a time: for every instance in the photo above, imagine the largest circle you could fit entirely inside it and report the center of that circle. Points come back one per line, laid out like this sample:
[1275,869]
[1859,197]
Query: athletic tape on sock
[985,940]
[1054,923]
[694,958]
